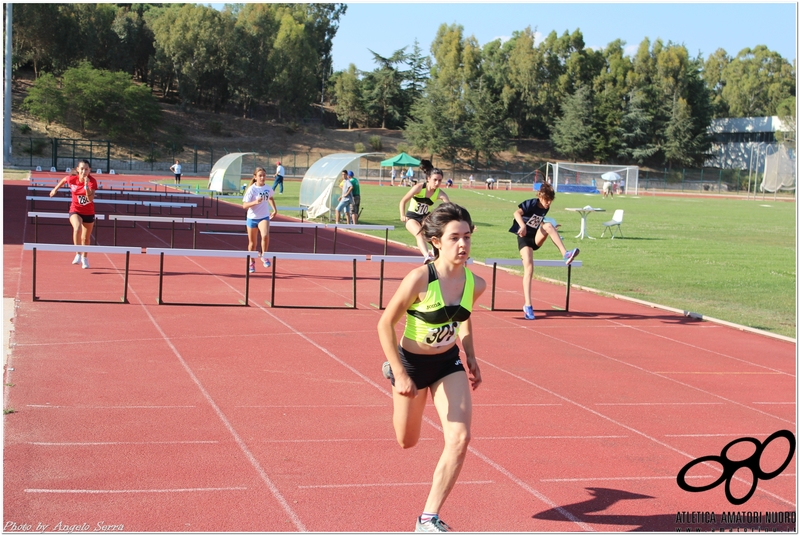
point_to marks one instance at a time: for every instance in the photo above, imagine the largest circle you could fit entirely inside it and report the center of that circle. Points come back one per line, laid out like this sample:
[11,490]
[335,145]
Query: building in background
[744,143]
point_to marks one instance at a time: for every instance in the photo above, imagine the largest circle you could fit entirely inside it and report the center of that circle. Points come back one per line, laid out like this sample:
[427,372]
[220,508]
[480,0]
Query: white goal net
[779,172]
[587,177]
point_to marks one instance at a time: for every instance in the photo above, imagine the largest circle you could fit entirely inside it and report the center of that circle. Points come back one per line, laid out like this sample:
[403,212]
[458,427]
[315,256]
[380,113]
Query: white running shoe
[435,525]
[252,266]
[77,258]
[84,262]
[266,261]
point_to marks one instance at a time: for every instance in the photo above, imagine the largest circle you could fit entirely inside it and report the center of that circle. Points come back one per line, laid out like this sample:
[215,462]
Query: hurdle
[56,215]
[537,263]
[240,223]
[418,260]
[87,249]
[206,253]
[148,220]
[359,227]
[317,257]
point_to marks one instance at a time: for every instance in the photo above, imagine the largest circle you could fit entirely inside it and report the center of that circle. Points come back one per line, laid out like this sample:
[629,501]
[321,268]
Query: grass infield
[730,259]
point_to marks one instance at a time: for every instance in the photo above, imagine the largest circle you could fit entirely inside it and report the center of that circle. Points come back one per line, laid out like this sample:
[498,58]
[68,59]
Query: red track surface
[190,418]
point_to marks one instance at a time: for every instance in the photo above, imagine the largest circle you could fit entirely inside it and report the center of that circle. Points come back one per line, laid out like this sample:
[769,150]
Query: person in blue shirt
[532,231]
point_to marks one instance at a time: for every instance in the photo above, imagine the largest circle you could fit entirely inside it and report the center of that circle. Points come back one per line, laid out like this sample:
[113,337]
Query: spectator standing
[345,199]
[393,175]
[356,197]
[279,173]
[176,168]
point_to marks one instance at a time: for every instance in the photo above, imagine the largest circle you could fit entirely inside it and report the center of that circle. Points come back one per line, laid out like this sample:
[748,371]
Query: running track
[189,418]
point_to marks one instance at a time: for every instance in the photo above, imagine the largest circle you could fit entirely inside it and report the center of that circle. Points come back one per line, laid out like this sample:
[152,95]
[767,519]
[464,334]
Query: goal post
[779,172]
[580,177]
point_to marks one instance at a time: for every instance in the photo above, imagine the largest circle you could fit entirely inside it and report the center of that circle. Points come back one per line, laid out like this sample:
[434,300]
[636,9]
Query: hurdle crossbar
[536,263]
[58,247]
[418,260]
[206,253]
[317,257]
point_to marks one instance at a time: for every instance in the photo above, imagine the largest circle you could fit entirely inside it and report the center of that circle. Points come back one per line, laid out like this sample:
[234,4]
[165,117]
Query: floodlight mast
[7,100]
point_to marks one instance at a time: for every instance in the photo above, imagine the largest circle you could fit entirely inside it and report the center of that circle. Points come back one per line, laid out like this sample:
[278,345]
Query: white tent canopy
[226,173]
[319,184]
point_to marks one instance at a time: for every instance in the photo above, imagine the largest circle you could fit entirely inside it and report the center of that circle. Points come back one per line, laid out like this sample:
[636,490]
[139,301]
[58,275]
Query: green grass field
[730,259]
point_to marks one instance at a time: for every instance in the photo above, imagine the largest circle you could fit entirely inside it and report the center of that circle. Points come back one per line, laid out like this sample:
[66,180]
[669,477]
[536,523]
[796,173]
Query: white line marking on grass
[160,443]
[130,491]
[366,485]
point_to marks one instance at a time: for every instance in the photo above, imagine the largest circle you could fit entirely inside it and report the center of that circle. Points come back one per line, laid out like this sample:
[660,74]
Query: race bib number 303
[441,336]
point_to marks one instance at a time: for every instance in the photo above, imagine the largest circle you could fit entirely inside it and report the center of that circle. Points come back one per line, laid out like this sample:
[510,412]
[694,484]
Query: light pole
[7,103]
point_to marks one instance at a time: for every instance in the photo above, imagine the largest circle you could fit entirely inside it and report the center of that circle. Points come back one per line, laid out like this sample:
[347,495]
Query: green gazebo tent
[401,159]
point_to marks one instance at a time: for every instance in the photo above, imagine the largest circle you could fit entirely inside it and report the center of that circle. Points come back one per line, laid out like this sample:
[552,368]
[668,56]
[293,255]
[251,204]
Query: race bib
[441,336]
[535,221]
[83,199]
[422,209]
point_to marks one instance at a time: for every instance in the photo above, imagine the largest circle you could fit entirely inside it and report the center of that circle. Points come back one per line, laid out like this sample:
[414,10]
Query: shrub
[403,147]
[376,142]
[45,100]
[36,147]
[360,147]
[24,129]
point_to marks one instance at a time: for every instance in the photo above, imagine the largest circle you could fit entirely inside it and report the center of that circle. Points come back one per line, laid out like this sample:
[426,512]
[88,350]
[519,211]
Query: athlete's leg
[414,227]
[453,403]
[77,229]
[527,277]
[547,230]
[263,227]
[252,238]
[408,413]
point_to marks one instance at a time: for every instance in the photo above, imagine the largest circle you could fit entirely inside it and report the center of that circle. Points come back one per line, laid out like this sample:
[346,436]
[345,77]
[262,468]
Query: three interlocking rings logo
[730,467]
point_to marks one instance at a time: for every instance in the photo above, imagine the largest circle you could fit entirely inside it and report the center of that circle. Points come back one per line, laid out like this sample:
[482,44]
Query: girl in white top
[258,199]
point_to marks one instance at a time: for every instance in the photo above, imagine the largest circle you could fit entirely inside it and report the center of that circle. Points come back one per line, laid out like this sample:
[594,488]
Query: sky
[702,28]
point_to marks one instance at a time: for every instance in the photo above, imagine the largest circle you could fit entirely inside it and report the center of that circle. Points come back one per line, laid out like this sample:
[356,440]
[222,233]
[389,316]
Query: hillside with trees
[110,70]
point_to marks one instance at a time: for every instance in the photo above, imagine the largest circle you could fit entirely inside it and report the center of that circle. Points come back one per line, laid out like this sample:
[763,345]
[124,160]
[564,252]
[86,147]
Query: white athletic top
[177,168]
[262,210]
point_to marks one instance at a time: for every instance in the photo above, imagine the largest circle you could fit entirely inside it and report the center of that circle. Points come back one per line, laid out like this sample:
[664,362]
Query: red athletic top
[80,201]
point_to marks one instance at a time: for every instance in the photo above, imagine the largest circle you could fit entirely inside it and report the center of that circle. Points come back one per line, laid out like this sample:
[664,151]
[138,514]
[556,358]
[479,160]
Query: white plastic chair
[112,172]
[618,217]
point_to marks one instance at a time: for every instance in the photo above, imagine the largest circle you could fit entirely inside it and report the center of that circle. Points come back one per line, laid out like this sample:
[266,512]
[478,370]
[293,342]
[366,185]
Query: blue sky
[386,27]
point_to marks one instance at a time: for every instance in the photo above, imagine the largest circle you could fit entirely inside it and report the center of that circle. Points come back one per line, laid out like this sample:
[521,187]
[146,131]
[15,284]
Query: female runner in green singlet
[436,300]
[422,196]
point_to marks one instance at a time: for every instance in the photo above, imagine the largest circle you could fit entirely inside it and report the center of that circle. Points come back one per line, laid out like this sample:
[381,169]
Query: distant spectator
[449,182]
[176,168]
[279,173]
[356,197]
[393,175]
[345,199]
[490,181]
[471,181]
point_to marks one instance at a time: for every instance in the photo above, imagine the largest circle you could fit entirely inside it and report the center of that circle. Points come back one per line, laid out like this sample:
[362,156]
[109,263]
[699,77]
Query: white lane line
[556,437]
[611,420]
[365,485]
[633,478]
[499,468]
[644,371]
[694,346]
[356,406]
[773,403]
[130,491]
[292,515]
[112,407]
[517,405]
[656,404]
[303,440]
[165,442]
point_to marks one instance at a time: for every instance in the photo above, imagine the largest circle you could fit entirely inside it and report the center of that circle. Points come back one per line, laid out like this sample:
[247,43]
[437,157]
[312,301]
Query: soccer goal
[779,172]
[588,177]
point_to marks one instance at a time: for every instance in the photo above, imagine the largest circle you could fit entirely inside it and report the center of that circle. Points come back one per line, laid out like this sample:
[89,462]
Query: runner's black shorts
[424,370]
[85,218]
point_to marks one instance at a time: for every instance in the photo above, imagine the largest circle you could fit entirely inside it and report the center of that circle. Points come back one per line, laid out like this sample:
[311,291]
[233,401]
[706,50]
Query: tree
[349,105]
[294,62]
[636,141]
[679,147]
[45,100]
[485,128]
[713,76]
[573,133]
[383,95]
[756,81]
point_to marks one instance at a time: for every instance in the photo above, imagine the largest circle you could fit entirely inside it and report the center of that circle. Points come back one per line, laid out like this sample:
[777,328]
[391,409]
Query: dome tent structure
[320,181]
[226,173]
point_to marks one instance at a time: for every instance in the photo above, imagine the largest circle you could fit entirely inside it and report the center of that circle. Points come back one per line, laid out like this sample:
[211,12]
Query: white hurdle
[92,249]
[317,257]
[204,253]
[56,215]
[537,263]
